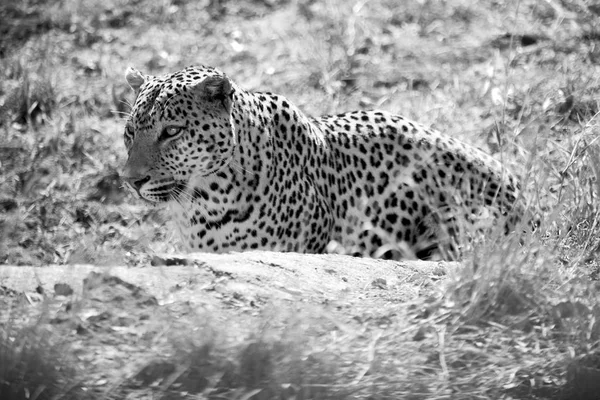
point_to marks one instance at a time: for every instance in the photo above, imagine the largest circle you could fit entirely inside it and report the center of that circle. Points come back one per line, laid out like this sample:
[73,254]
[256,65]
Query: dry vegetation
[519,78]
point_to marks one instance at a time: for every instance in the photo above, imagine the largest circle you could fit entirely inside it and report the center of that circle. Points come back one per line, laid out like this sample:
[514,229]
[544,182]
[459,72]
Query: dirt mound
[116,318]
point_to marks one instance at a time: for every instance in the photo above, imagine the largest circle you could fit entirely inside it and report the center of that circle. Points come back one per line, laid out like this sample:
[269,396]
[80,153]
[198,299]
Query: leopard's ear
[216,88]
[135,78]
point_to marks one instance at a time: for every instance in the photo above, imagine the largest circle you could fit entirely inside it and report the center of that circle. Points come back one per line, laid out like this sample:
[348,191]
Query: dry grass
[34,364]
[283,361]
[517,77]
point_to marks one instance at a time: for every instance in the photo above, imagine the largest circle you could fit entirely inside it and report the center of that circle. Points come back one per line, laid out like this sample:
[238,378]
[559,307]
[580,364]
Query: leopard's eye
[170,132]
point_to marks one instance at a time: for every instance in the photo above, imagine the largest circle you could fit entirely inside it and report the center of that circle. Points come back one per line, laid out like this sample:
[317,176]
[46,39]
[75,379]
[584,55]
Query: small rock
[101,382]
[420,335]
[82,330]
[158,261]
[379,283]
[62,289]
[103,316]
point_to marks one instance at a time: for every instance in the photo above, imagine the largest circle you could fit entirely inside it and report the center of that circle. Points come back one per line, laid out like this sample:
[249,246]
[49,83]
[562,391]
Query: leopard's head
[180,127]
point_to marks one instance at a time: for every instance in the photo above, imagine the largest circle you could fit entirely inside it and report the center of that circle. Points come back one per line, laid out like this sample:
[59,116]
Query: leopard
[244,170]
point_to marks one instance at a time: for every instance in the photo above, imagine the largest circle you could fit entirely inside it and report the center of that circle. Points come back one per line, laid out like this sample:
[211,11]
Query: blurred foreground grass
[518,78]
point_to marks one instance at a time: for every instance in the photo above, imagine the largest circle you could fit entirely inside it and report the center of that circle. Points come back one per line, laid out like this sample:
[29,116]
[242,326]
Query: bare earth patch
[118,319]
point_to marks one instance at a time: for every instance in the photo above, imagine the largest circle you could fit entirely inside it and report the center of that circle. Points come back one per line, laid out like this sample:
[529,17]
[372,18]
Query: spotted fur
[250,171]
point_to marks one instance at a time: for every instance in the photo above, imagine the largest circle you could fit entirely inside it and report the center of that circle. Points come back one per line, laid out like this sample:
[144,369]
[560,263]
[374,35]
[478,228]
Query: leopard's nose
[136,182]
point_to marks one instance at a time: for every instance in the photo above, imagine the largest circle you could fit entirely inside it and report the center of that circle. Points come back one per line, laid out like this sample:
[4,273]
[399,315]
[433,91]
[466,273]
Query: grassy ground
[518,78]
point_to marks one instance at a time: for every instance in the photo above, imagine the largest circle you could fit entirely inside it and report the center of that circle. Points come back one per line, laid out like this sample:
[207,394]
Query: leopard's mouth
[175,190]
[178,190]
[165,192]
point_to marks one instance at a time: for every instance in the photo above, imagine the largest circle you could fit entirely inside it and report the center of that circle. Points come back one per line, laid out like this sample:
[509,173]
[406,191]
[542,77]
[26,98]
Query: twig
[441,332]
[370,359]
